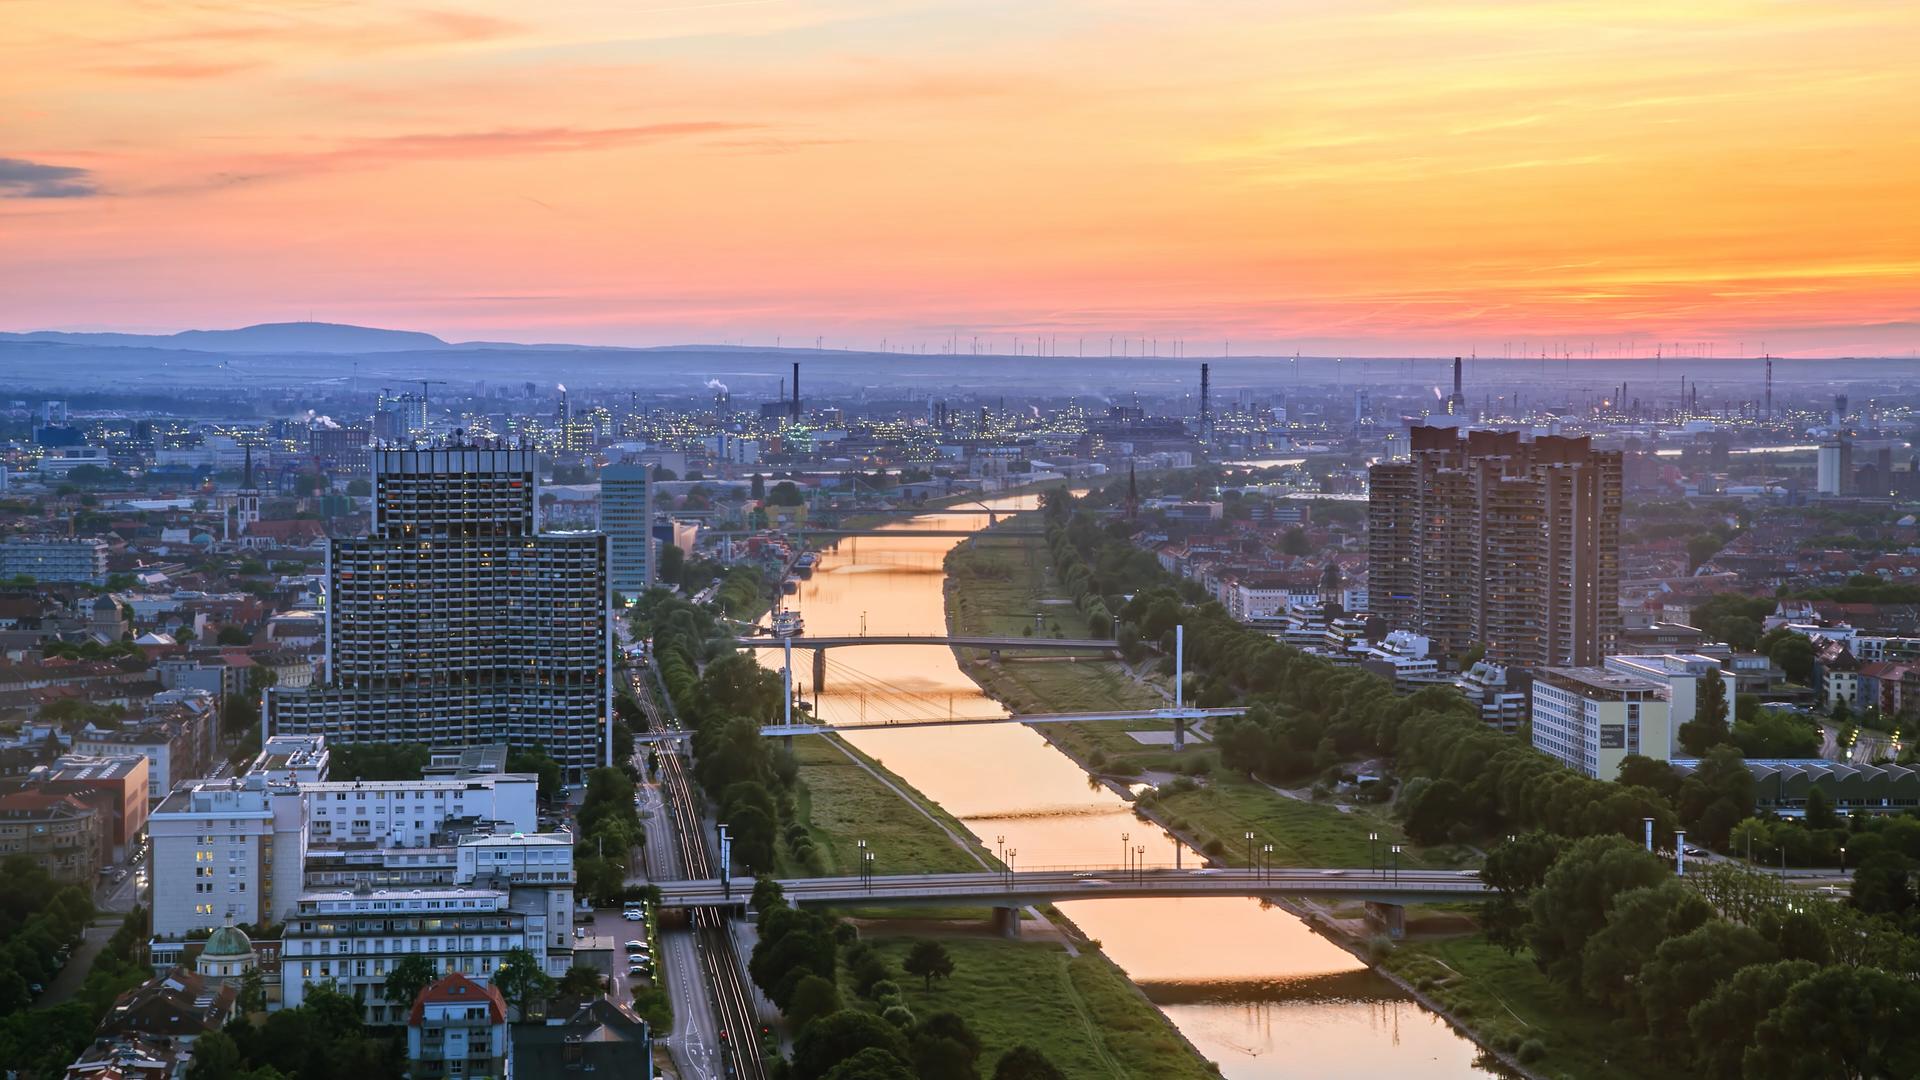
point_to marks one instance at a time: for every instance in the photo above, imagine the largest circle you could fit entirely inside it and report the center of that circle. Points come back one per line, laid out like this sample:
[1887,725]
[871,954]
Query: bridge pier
[786,743]
[1006,922]
[1179,733]
[819,671]
[1391,918]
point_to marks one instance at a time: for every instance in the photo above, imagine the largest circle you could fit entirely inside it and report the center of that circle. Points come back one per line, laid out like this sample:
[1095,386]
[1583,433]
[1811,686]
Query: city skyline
[1454,179]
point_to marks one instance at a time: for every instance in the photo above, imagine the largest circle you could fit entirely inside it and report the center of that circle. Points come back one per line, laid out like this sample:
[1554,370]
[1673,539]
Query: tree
[834,1038]
[872,1063]
[410,975]
[785,493]
[1776,733]
[233,634]
[1841,1021]
[1023,1062]
[1432,810]
[1820,813]
[1708,726]
[1638,770]
[673,563]
[1687,969]
[1640,922]
[520,980]
[1703,546]
[1883,884]
[1573,900]
[1294,542]
[811,999]
[758,489]
[359,487]
[1793,655]
[929,960]
[767,895]
[583,982]
[1514,868]
[1722,1026]
[535,760]
[216,1057]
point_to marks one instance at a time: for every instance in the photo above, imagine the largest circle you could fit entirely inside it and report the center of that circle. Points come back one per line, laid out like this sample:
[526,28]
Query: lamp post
[1373,852]
[861,854]
[1012,854]
[1140,863]
[1843,860]
[1396,864]
[1248,836]
[1125,839]
[1266,855]
[1680,852]
[1000,844]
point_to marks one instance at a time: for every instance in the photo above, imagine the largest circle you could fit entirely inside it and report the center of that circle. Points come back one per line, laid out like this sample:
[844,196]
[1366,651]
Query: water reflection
[1253,988]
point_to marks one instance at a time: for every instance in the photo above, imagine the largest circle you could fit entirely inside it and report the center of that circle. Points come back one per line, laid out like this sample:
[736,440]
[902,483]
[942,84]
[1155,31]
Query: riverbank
[1092,1022]
[1212,812]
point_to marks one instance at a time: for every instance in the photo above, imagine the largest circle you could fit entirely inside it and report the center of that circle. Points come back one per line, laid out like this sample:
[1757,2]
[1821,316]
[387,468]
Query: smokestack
[1457,401]
[1456,376]
[1206,417]
[793,410]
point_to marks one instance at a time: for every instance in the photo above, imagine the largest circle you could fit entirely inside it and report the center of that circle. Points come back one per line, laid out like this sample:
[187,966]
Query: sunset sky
[1333,177]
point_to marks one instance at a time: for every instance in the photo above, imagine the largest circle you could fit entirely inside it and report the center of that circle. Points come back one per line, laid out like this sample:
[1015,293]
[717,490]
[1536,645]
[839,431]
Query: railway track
[732,999]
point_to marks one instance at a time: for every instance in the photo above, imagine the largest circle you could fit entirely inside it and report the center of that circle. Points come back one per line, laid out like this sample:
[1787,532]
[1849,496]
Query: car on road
[1333,873]
[1095,882]
[1208,870]
[1694,852]
[1084,874]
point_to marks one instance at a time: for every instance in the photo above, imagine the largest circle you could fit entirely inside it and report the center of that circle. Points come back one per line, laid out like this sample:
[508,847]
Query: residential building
[600,1038]
[115,784]
[131,1058]
[458,1028]
[228,850]
[626,516]
[180,1005]
[63,835]
[411,813]
[457,621]
[1499,692]
[177,746]
[1679,676]
[1491,538]
[1590,718]
[353,938]
[54,558]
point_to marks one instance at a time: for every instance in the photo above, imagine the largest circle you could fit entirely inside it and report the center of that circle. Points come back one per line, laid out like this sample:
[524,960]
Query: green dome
[228,941]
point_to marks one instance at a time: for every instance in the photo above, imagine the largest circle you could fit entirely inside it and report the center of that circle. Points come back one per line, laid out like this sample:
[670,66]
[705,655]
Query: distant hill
[294,337]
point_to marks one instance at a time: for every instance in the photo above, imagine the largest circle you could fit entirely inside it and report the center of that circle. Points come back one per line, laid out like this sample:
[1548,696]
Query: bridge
[1178,717]
[994,645]
[1007,891]
[835,533]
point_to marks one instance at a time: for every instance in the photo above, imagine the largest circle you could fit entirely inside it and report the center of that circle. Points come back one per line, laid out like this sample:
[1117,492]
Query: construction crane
[424,383]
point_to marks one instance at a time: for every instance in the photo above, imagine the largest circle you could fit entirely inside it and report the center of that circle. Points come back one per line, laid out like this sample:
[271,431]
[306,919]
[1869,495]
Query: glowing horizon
[1371,179]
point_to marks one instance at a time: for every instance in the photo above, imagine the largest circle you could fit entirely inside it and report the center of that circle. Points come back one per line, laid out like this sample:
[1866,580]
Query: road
[1092,883]
[715,1024]
[69,979]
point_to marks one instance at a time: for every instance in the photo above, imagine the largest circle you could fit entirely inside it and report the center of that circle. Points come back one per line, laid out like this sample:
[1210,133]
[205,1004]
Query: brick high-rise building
[457,621]
[1485,537]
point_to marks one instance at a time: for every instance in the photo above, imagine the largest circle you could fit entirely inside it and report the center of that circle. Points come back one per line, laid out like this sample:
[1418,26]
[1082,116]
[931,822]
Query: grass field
[841,804]
[1080,1012]
[1506,1000]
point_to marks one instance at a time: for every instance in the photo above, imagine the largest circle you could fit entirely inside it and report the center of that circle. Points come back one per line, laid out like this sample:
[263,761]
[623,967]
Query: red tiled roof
[456,989]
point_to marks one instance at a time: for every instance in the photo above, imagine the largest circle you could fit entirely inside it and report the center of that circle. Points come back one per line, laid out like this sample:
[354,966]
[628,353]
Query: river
[1250,985]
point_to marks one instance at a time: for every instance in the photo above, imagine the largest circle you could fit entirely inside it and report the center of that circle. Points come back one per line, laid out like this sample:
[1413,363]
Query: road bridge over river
[1385,891]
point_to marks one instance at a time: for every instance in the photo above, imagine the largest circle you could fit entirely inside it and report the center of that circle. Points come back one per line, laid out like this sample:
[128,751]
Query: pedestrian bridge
[1002,889]
[1178,717]
[962,641]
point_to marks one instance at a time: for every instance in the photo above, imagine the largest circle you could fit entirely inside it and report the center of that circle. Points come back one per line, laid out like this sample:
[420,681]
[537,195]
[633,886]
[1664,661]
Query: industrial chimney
[1206,411]
[793,409]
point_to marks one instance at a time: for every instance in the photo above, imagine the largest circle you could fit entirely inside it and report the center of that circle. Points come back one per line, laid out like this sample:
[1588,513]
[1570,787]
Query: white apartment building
[1679,675]
[54,558]
[1590,718]
[410,813]
[224,850]
[1499,692]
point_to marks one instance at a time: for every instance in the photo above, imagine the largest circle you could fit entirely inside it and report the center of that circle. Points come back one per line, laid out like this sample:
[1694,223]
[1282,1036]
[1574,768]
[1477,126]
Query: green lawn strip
[842,804]
[1505,1000]
[1302,833]
[1079,1012]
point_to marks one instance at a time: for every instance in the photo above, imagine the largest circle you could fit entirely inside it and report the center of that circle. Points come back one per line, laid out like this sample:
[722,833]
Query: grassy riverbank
[1507,1003]
[1080,1011]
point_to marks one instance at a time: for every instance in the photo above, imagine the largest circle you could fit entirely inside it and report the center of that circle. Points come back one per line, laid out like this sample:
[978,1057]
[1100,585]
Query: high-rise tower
[455,621]
[1497,540]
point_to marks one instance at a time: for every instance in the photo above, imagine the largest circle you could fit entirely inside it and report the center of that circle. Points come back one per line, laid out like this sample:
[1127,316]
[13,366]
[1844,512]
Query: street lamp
[1000,843]
[1012,854]
[1843,860]
[1249,839]
[1140,862]
[1266,855]
[1125,839]
[861,854]
[1373,852]
[1396,864]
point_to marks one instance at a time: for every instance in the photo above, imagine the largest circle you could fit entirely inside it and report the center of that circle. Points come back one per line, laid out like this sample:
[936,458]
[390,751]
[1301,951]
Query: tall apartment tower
[457,622]
[626,516]
[1487,538]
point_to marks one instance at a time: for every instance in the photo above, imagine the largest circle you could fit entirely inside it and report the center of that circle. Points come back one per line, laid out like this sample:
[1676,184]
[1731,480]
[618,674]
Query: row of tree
[1725,970]
[800,962]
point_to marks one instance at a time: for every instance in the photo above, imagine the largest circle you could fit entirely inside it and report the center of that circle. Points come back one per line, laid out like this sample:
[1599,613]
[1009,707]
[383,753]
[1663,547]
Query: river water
[1249,984]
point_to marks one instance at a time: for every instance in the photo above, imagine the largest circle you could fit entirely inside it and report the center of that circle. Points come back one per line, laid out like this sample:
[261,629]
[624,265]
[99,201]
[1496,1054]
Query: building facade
[116,785]
[411,813]
[458,1028]
[1489,538]
[54,558]
[62,835]
[457,622]
[1590,718]
[626,516]
[227,850]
